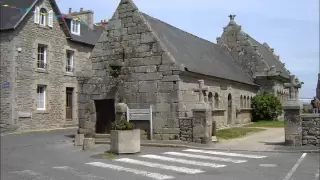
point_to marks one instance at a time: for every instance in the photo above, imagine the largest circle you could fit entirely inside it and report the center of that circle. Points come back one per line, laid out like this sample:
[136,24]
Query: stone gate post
[293,123]
[202,126]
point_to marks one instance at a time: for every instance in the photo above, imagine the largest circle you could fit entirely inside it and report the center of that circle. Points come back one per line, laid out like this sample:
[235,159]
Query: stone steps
[102,138]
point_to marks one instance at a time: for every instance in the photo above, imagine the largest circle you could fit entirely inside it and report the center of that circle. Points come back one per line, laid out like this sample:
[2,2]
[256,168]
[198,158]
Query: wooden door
[69,99]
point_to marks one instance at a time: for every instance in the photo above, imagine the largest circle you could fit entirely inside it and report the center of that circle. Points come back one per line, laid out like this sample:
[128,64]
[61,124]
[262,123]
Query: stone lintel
[201,110]
[310,115]
[181,118]
[218,110]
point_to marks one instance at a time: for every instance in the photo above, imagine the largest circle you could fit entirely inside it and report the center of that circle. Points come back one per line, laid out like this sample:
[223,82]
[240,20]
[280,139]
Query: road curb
[220,149]
[37,130]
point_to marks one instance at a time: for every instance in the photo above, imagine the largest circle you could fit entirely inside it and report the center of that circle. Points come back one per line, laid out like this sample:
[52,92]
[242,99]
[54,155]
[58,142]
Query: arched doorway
[229,109]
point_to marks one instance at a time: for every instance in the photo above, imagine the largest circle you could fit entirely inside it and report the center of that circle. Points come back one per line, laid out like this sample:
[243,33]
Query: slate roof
[87,35]
[11,18]
[269,58]
[196,54]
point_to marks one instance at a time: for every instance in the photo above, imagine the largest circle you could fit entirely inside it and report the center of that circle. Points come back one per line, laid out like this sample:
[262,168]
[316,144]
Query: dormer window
[75,27]
[43,16]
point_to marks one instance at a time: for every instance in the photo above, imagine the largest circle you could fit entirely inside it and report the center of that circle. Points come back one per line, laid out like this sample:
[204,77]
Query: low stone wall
[310,129]
[186,129]
[244,116]
[219,117]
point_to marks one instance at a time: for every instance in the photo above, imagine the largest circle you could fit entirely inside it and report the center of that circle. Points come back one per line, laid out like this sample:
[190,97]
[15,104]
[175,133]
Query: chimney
[70,9]
[85,16]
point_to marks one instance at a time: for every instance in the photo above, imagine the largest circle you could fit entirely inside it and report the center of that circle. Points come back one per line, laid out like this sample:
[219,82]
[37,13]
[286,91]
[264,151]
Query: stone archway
[229,118]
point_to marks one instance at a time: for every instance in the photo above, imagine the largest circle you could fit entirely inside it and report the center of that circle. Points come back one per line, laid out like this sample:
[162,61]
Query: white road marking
[317,176]
[161,166]
[37,176]
[156,176]
[80,174]
[205,157]
[197,163]
[225,154]
[295,167]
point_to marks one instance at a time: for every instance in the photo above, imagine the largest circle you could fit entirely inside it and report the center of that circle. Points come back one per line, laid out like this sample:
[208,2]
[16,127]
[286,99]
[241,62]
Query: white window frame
[69,59]
[44,97]
[44,56]
[50,18]
[76,24]
[37,15]
[44,17]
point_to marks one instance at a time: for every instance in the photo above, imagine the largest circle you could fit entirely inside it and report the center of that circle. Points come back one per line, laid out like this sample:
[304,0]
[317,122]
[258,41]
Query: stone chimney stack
[84,15]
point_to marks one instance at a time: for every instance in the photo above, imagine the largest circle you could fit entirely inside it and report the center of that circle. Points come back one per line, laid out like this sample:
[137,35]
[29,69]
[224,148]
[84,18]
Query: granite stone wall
[310,129]
[151,77]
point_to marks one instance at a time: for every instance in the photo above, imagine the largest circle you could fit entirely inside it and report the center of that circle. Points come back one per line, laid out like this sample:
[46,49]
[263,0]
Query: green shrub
[122,124]
[265,107]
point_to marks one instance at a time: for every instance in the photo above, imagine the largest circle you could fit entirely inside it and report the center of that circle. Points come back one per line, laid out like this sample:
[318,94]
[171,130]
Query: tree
[266,107]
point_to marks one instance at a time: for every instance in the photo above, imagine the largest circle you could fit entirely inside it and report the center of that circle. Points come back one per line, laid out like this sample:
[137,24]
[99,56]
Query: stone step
[102,136]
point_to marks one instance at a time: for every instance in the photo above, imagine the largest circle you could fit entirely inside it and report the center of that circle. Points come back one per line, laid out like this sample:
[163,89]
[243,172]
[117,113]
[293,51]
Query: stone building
[146,61]
[42,53]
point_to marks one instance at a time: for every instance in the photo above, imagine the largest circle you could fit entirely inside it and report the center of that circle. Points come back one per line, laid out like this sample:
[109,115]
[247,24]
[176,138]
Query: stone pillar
[293,123]
[202,126]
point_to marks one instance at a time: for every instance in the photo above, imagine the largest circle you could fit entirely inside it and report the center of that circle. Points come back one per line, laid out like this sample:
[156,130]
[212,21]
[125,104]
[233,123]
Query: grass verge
[236,132]
[269,124]
[109,155]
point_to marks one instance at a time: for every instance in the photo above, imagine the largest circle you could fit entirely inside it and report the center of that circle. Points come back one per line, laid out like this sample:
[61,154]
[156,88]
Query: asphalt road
[52,156]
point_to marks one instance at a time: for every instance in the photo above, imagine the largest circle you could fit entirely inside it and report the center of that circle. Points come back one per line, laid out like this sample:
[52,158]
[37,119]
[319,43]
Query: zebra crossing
[159,166]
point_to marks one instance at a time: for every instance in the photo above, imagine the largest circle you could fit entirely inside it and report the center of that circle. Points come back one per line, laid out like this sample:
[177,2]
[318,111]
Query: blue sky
[291,27]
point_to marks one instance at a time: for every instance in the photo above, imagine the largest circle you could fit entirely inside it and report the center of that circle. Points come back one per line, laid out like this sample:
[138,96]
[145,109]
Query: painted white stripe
[205,157]
[225,154]
[316,177]
[295,167]
[83,175]
[34,174]
[196,163]
[161,166]
[156,176]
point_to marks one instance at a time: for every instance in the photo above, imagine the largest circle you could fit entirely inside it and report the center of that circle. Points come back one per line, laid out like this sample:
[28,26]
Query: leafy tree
[266,107]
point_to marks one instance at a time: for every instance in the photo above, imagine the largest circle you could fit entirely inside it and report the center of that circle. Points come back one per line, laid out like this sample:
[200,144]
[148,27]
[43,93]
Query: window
[43,16]
[241,101]
[244,102]
[248,102]
[210,96]
[42,57]
[69,66]
[41,97]
[75,27]
[216,101]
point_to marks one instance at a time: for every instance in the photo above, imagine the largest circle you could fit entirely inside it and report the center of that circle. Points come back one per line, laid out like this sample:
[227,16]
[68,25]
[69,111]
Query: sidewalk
[270,140]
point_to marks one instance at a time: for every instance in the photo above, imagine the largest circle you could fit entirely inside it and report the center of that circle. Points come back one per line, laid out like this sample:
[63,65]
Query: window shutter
[71,25]
[50,18]
[78,22]
[36,15]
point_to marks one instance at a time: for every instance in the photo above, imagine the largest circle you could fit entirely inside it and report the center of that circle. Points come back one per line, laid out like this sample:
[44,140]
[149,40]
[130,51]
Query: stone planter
[125,141]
